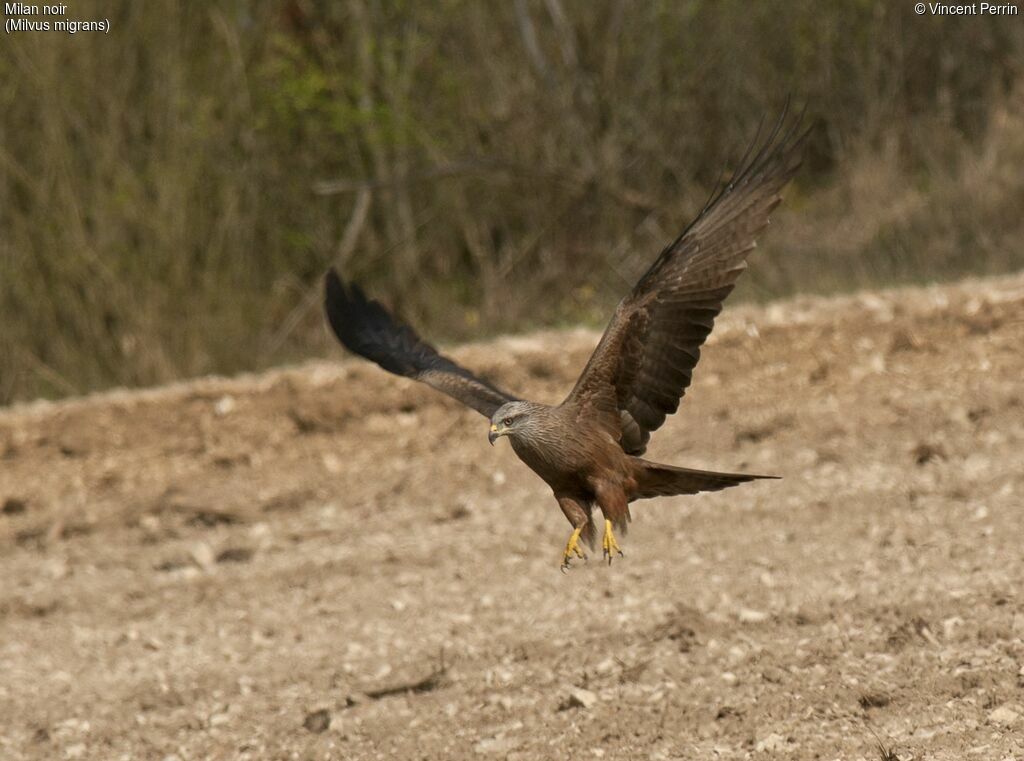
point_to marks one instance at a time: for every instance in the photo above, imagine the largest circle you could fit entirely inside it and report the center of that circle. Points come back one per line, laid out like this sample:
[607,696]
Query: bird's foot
[572,549]
[609,546]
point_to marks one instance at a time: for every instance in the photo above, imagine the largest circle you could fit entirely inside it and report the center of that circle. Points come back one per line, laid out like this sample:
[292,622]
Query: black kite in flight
[588,447]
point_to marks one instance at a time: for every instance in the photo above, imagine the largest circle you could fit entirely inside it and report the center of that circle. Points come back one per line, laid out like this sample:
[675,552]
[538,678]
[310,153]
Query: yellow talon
[572,548]
[608,544]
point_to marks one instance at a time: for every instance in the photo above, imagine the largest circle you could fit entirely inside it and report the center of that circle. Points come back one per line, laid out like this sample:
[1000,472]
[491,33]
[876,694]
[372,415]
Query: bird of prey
[588,448]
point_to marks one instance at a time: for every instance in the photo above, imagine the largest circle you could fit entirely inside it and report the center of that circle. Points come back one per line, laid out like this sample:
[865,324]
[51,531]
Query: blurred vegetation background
[171,193]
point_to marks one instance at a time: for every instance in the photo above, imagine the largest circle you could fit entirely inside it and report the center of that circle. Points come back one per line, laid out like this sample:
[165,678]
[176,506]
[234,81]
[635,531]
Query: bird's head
[509,420]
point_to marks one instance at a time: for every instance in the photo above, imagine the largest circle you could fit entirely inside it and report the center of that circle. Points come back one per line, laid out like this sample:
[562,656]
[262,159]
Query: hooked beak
[494,434]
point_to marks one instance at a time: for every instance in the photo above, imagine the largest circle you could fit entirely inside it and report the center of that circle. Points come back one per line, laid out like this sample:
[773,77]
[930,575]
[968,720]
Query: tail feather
[656,480]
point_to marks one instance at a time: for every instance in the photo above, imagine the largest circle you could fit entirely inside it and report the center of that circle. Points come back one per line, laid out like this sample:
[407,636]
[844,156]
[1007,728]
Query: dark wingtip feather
[343,303]
[772,160]
[365,328]
[335,303]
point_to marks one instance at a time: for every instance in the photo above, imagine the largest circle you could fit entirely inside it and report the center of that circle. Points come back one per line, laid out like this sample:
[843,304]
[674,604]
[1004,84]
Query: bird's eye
[507,422]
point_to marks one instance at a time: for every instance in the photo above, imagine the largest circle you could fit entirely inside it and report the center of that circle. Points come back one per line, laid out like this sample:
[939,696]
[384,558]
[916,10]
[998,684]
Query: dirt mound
[329,562]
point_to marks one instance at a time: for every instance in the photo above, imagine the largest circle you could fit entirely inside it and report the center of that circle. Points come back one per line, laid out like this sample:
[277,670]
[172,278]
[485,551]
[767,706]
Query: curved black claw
[567,562]
[610,556]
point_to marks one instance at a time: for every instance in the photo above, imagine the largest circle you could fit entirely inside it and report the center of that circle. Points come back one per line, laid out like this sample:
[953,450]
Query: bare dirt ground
[328,562]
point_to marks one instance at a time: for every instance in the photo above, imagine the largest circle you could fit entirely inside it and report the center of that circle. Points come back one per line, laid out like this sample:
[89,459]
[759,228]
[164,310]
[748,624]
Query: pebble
[581,698]
[224,406]
[203,555]
[771,743]
[318,721]
[500,700]
[750,616]
[1005,715]
[500,745]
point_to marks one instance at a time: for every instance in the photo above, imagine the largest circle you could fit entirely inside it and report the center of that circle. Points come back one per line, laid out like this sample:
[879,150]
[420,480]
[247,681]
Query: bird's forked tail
[656,480]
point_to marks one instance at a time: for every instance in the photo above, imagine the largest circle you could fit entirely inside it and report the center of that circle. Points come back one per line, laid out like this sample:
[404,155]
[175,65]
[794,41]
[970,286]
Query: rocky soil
[328,562]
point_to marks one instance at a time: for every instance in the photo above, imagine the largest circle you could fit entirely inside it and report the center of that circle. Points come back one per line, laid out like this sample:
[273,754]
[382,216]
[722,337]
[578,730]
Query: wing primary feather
[644,362]
[763,152]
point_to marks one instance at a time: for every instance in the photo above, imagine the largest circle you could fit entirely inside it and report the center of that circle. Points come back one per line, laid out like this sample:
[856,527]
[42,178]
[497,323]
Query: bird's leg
[613,503]
[609,546]
[578,513]
[573,549]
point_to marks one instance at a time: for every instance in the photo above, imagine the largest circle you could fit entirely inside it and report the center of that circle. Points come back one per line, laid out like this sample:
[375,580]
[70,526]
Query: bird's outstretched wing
[644,362]
[366,328]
